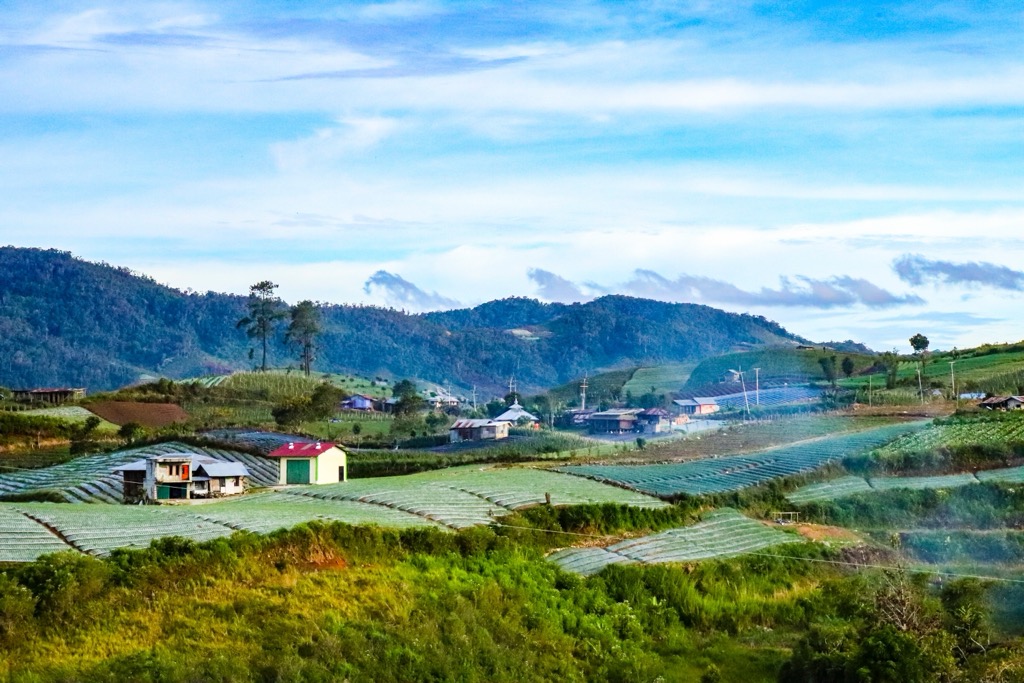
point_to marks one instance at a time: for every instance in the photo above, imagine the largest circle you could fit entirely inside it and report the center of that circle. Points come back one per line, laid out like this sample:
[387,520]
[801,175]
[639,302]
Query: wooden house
[614,421]
[52,396]
[478,430]
[310,463]
[1002,403]
[654,420]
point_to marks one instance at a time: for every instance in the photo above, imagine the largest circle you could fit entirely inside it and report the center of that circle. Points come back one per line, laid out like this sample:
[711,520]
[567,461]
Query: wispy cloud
[798,291]
[552,287]
[401,293]
[915,269]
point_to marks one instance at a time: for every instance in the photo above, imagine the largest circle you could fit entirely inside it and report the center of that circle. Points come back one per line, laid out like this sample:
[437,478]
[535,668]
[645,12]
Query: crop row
[849,486]
[91,478]
[722,533]
[466,496]
[716,475]
[980,432]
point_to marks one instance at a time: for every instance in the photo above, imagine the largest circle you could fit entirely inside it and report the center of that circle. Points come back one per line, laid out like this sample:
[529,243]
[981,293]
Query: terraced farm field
[849,486]
[993,430]
[722,533]
[731,473]
[23,540]
[471,495]
[91,479]
[453,499]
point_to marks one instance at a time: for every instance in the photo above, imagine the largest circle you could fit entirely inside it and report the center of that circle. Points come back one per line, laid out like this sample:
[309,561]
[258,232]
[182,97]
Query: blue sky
[850,170]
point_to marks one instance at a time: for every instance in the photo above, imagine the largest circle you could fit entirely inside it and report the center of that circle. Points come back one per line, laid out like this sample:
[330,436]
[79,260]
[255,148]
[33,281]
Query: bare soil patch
[145,414]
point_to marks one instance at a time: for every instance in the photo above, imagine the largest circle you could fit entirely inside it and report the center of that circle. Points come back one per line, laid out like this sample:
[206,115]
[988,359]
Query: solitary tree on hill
[848,366]
[302,331]
[265,310]
[919,343]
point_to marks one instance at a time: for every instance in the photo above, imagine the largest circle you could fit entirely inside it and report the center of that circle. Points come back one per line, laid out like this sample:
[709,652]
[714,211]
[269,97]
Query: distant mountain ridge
[66,321]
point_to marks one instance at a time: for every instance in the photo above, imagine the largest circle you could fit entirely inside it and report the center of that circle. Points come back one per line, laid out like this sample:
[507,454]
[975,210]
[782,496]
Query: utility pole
[952,384]
[920,386]
[746,403]
[583,393]
[869,391]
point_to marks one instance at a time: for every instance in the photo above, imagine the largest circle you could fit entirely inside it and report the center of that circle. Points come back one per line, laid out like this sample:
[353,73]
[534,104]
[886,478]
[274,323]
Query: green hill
[65,321]
[775,364]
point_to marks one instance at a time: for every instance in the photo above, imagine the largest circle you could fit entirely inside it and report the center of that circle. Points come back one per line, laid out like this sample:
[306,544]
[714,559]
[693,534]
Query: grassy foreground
[329,602]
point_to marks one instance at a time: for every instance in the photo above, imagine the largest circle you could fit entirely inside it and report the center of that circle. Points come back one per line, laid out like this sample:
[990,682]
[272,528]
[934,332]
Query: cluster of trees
[266,310]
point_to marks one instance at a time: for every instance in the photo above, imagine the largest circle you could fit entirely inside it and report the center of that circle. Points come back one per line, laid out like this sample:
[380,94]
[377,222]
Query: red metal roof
[298,449]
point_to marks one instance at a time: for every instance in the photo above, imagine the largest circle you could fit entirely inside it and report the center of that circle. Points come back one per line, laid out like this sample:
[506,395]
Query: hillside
[65,321]
[775,365]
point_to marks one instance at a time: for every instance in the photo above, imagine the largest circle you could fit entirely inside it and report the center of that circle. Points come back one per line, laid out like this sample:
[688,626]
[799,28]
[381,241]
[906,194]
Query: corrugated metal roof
[224,469]
[296,449]
[514,413]
[472,424]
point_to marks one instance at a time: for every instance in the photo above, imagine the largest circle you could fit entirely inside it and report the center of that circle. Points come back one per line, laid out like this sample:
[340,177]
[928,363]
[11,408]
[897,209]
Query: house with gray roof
[181,477]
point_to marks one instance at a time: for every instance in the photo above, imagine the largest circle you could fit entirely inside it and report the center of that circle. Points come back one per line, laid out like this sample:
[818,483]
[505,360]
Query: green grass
[604,386]
[774,363]
[73,414]
[661,379]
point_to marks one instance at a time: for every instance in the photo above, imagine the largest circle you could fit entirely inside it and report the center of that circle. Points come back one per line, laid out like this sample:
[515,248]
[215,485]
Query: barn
[310,463]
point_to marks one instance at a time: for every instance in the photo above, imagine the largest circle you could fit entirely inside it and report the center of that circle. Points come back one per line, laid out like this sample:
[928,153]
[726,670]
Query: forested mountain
[65,321]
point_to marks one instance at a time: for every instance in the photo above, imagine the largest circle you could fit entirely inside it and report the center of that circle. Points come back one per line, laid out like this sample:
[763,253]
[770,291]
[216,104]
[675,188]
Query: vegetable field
[467,496]
[849,486]
[91,479]
[731,473]
[23,540]
[722,533]
[985,430]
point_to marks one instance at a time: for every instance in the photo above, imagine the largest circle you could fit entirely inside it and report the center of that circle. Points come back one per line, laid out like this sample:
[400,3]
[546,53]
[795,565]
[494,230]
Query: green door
[297,472]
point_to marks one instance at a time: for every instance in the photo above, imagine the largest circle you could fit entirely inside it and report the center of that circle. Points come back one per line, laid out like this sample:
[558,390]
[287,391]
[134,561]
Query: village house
[654,421]
[614,421]
[517,414]
[360,402]
[478,430]
[310,463]
[1002,403]
[181,476]
[697,406]
[52,396]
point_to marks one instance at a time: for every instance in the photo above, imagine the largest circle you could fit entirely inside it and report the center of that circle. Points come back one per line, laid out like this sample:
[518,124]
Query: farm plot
[849,486]
[981,431]
[722,533]
[268,512]
[731,473]
[466,496]
[919,483]
[829,490]
[769,398]
[90,479]
[99,529]
[24,539]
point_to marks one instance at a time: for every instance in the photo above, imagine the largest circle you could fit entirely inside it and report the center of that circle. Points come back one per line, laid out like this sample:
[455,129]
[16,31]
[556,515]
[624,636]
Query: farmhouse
[515,414]
[614,421]
[575,417]
[52,396]
[697,406]
[360,402]
[654,420]
[478,430]
[181,476]
[1002,403]
[310,463]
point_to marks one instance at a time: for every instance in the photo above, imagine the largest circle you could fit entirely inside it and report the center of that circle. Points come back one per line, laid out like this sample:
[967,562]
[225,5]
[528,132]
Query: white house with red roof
[311,462]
